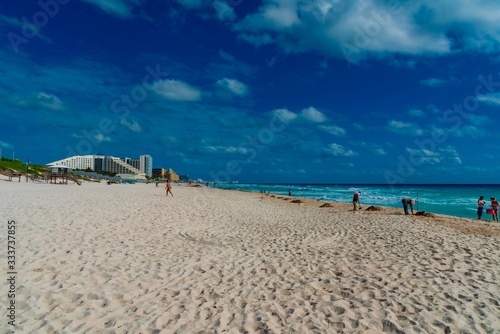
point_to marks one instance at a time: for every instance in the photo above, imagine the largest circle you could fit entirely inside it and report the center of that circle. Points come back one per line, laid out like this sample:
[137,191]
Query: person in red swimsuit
[355,201]
[494,206]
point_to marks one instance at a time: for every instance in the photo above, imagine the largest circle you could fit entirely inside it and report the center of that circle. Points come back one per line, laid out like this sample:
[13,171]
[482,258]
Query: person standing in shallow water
[480,207]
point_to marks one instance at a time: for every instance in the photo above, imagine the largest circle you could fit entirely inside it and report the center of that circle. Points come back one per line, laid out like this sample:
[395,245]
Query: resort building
[160,173]
[139,167]
[172,176]
[133,162]
[77,162]
[146,165]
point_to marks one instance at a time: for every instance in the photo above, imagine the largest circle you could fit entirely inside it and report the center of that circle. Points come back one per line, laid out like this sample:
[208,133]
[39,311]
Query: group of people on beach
[407,202]
[492,210]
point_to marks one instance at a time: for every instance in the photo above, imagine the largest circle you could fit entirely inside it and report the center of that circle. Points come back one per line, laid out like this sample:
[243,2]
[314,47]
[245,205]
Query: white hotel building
[139,167]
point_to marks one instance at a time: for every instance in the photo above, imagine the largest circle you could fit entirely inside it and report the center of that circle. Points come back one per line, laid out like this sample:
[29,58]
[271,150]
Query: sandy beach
[103,258]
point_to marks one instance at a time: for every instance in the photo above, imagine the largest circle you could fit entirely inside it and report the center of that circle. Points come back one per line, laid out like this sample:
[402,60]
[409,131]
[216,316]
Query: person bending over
[408,202]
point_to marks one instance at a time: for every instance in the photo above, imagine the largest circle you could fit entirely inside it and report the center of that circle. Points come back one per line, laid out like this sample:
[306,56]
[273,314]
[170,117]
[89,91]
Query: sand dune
[126,259]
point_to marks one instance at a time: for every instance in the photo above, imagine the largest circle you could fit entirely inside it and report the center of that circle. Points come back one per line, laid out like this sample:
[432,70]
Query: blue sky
[318,91]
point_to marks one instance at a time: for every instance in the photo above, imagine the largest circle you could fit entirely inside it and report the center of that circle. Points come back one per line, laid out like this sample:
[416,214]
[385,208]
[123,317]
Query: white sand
[126,259]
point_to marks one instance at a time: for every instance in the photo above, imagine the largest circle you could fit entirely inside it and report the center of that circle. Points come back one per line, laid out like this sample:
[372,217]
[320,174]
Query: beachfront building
[109,164]
[172,176]
[133,162]
[77,162]
[160,173]
[146,164]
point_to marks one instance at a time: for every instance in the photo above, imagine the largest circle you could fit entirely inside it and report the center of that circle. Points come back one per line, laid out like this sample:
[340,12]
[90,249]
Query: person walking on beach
[289,192]
[355,201]
[408,202]
[168,187]
[494,207]
[480,207]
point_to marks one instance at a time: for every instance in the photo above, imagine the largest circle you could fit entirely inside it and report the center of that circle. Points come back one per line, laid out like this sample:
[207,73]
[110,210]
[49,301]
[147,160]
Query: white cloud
[479,119]
[176,90]
[224,10]
[416,112]
[491,99]
[441,155]
[225,149]
[311,114]
[236,87]
[6,145]
[339,150]
[404,128]
[333,130]
[424,156]
[49,101]
[433,82]
[468,131]
[379,151]
[358,29]
[464,131]
[120,8]
[284,115]
[102,138]
[132,125]
[273,15]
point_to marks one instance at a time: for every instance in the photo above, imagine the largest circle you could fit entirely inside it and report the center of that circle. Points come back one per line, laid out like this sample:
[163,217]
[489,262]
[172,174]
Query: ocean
[454,200]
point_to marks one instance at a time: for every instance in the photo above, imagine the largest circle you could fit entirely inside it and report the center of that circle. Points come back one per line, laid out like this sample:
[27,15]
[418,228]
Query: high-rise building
[146,165]
[134,162]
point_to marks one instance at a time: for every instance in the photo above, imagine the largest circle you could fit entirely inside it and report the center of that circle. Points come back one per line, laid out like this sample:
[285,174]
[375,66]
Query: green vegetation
[18,165]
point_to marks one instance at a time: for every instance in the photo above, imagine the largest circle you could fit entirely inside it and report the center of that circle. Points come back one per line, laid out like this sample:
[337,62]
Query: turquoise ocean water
[454,200]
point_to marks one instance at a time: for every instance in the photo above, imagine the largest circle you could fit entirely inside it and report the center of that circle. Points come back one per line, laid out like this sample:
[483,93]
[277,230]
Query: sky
[274,91]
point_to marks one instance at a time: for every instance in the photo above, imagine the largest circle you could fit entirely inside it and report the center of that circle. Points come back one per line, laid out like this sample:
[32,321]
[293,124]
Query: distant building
[146,165]
[172,176]
[139,167]
[160,173]
[133,162]
[77,162]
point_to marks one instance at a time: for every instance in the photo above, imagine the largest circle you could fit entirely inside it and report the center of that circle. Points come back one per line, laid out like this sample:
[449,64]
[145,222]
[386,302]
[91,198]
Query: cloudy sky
[288,91]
